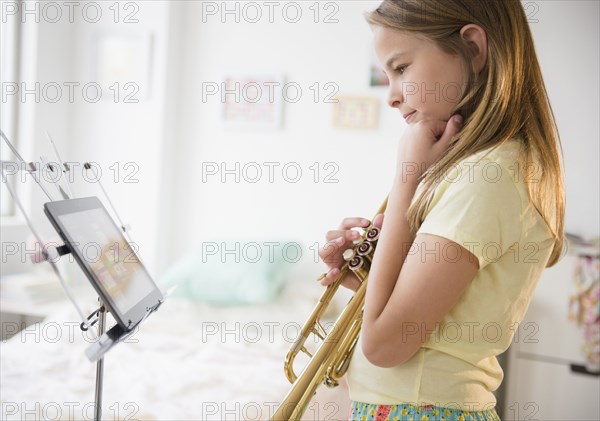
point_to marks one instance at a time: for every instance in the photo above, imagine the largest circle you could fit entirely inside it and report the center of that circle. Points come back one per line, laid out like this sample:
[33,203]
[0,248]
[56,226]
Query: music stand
[106,340]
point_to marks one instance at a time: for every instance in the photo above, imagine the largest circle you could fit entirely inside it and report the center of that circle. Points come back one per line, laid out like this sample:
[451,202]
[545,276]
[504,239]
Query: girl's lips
[409,116]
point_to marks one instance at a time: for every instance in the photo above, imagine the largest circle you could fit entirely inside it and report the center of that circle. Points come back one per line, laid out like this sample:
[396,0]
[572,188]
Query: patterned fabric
[360,411]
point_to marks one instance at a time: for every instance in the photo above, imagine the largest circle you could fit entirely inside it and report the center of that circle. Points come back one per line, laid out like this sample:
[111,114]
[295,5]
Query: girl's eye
[400,69]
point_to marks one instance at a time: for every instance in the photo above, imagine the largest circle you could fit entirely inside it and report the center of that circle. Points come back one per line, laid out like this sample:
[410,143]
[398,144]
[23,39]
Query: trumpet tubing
[330,361]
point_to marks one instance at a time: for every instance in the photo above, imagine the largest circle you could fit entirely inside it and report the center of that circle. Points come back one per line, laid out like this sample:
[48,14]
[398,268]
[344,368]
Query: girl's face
[425,82]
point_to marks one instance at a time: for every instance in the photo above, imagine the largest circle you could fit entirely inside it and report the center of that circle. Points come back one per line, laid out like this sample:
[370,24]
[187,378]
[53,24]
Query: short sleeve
[478,206]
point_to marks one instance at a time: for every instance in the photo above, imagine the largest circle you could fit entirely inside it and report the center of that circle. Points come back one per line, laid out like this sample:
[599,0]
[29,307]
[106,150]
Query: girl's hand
[338,241]
[424,142]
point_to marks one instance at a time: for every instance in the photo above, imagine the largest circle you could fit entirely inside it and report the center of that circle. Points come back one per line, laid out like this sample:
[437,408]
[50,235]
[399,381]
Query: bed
[191,360]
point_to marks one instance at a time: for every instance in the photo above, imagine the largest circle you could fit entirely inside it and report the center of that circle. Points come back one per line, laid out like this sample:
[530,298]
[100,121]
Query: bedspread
[189,361]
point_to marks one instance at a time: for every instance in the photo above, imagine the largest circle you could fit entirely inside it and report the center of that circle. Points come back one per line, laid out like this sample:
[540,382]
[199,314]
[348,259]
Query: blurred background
[225,129]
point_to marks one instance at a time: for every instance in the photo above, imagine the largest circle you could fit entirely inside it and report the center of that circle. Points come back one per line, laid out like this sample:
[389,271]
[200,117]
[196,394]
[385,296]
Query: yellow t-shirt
[483,205]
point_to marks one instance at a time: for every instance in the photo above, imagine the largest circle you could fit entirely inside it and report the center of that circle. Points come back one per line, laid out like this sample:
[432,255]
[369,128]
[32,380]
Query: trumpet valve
[365,248]
[348,255]
[360,266]
[373,234]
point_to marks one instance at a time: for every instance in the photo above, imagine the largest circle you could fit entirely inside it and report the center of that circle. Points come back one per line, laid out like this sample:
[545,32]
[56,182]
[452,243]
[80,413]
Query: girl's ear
[475,36]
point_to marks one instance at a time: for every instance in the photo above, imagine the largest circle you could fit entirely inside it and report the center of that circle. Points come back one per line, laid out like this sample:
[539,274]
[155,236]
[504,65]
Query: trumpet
[330,361]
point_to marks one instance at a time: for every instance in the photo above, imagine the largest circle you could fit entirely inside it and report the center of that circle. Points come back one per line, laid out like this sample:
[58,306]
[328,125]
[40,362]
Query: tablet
[106,258]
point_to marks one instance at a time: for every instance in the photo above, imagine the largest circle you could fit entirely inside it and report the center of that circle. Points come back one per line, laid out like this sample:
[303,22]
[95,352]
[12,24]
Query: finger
[333,245]
[330,277]
[330,252]
[354,222]
[378,221]
[354,282]
[453,126]
[347,234]
[350,281]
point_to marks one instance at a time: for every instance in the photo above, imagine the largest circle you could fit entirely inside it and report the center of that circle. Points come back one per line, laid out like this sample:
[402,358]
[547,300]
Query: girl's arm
[405,301]
[411,285]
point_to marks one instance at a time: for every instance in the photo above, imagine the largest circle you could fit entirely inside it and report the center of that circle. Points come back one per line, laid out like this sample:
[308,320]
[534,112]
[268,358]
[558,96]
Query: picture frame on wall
[252,102]
[356,112]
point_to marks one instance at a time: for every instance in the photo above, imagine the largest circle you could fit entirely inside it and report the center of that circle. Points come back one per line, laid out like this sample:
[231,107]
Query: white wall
[128,135]
[306,53]
[566,38]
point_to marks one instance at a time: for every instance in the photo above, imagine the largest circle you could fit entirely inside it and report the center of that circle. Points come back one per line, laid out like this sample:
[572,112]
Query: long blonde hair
[507,99]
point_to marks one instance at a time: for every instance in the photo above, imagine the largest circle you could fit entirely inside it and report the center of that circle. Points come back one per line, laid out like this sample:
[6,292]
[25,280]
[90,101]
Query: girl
[474,215]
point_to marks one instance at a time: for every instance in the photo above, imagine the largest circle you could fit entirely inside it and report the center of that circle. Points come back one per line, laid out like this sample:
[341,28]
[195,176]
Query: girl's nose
[395,98]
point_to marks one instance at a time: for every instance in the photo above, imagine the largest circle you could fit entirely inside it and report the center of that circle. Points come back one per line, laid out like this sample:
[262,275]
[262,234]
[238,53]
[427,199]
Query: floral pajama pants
[360,411]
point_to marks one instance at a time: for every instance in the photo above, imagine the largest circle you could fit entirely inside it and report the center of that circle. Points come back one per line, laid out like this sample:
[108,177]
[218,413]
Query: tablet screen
[109,256]
[106,257]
